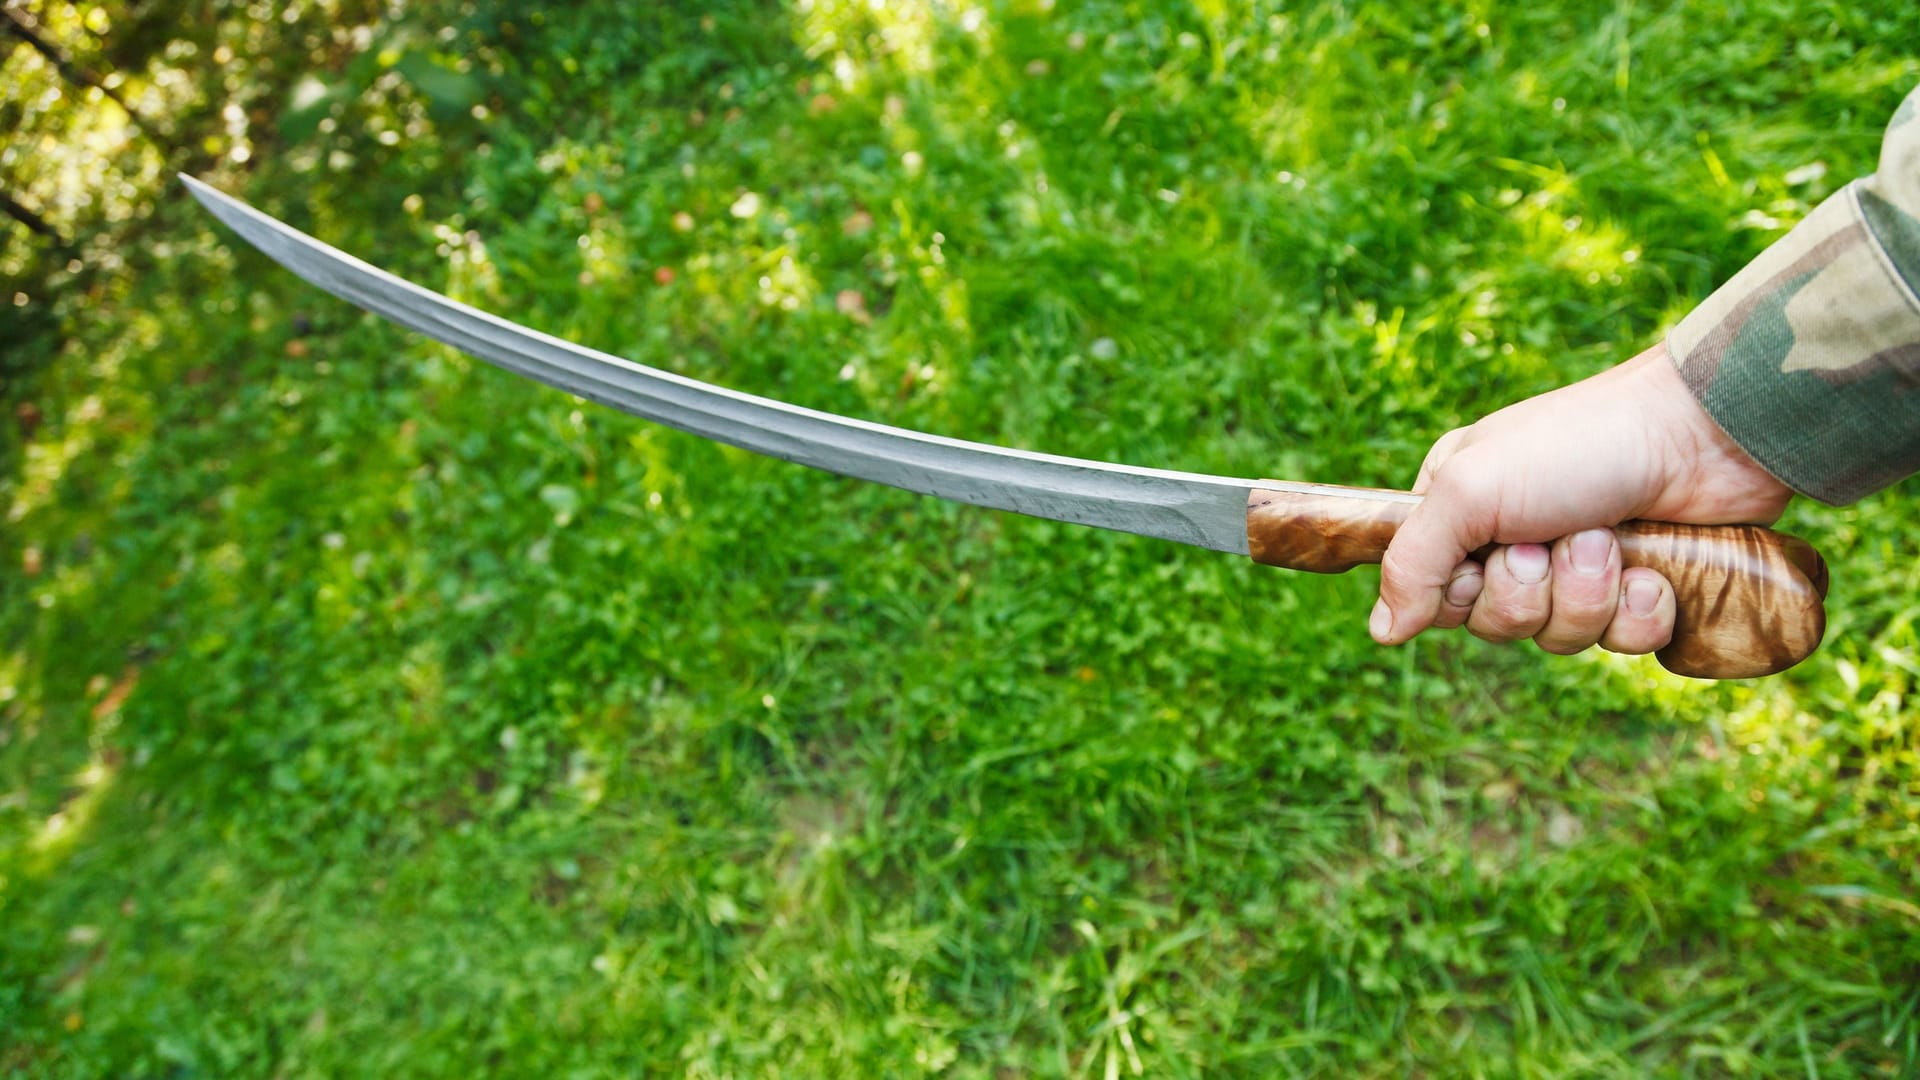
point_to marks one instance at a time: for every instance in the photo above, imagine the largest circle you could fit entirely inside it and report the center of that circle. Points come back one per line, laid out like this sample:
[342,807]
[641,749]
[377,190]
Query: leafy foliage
[366,710]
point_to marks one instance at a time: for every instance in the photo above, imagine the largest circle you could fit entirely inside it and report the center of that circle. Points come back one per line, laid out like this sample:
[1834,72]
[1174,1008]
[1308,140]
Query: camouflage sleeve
[1810,357]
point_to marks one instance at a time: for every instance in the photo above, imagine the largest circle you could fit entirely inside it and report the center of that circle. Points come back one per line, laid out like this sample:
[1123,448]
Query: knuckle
[1507,618]
[1576,624]
[1469,476]
[1633,636]
[1569,636]
[1627,644]
[1402,570]
[1582,612]
[1563,645]
[1443,447]
[1493,634]
[1452,616]
[1591,597]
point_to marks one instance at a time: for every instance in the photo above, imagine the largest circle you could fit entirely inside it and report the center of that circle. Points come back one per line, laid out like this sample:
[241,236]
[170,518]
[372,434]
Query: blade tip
[203,191]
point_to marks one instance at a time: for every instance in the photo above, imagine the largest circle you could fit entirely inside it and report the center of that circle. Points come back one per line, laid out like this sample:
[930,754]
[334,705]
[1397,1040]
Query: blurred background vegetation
[364,710]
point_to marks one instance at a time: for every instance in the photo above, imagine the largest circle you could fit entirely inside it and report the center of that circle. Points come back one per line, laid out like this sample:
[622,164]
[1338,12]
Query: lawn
[365,710]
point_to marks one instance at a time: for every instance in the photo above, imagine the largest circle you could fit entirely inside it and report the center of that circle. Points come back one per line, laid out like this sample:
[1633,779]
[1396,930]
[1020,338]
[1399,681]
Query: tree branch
[34,222]
[22,26]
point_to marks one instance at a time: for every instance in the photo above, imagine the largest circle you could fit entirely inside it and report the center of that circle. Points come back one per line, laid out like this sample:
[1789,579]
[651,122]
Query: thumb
[1456,518]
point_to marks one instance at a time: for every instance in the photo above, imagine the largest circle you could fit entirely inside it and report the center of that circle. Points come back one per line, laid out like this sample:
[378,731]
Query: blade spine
[703,387]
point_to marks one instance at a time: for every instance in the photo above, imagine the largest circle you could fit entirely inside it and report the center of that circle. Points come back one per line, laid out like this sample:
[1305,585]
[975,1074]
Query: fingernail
[1380,623]
[1528,562]
[1464,589]
[1590,550]
[1642,596]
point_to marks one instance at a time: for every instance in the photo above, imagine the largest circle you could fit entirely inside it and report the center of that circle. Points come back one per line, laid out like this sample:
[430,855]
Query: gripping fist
[1547,478]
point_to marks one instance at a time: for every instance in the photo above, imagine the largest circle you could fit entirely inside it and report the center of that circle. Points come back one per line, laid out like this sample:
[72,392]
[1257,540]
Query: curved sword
[1749,598]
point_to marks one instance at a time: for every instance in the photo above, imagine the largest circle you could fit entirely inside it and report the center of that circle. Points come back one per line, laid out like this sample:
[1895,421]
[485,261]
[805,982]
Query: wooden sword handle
[1750,600]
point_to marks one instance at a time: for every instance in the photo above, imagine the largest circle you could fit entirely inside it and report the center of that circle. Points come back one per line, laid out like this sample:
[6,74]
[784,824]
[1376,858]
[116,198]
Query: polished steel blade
[1205,511]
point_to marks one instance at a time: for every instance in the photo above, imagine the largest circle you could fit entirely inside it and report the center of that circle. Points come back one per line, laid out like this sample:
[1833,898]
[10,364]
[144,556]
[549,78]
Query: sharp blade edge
[1188,508]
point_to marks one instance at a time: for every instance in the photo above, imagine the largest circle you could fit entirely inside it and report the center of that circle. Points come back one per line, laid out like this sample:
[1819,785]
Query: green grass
[367,711]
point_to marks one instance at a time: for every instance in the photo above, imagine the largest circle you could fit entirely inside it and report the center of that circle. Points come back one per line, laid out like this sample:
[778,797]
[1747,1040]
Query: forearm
[1810,357]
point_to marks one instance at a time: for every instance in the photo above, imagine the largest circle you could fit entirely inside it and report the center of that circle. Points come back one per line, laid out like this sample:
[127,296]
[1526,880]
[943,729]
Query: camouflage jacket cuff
[1810,357]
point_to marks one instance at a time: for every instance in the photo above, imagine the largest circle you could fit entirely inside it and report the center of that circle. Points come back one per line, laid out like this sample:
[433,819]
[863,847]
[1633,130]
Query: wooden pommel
[1750,601]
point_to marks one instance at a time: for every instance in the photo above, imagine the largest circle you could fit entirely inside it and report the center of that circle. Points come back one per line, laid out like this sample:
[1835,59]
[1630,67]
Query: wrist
[1709,476]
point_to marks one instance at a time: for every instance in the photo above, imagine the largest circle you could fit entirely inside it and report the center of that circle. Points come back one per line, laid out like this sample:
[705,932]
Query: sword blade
[1188,508]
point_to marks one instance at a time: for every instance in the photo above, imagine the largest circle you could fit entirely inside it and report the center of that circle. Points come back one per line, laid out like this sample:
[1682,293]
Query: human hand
[1561,469]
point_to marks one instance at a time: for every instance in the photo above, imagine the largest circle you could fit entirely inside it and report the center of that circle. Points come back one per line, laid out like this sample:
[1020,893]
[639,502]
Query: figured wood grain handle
[1750,600]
